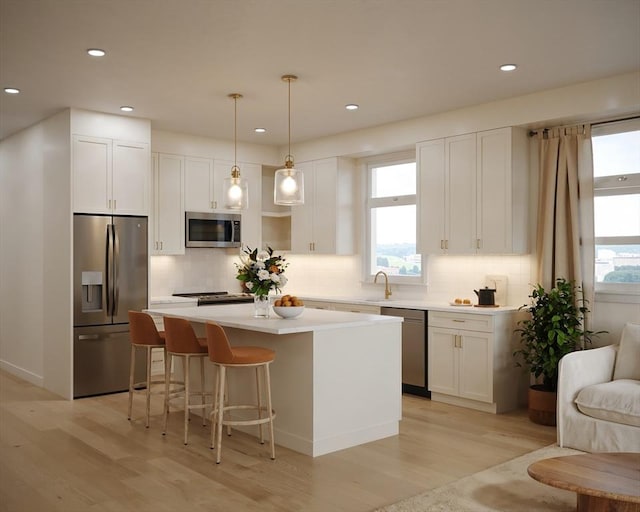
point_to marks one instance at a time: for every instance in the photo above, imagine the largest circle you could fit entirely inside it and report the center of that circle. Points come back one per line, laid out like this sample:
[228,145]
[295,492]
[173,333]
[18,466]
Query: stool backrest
[218,344]
[180,336]
[142,329]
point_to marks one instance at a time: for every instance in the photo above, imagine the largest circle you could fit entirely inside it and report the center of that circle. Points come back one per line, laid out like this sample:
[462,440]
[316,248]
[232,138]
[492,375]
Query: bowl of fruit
[288,306]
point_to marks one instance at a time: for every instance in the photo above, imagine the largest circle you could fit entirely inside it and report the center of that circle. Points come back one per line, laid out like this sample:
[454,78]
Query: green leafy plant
[554,329]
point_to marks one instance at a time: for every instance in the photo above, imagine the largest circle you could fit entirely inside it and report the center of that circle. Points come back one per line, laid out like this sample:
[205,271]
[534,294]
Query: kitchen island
[336,380]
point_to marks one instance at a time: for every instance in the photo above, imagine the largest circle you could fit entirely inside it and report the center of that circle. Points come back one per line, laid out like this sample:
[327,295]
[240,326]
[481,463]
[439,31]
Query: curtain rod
[617,120]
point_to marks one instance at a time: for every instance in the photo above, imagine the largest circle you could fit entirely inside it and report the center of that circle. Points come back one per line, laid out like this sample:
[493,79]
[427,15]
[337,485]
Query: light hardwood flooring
[84,455]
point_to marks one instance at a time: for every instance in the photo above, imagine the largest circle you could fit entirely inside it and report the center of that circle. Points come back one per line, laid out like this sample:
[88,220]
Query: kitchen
[198,270]
[38,200]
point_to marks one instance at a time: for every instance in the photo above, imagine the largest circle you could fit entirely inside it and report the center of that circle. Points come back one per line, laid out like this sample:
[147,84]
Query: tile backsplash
[340,276]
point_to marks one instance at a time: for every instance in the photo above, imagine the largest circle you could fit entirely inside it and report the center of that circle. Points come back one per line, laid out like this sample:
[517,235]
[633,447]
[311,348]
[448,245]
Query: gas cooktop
[208,298]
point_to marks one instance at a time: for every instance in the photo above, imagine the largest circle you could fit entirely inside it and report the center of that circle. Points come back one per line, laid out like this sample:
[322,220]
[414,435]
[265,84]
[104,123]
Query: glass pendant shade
[236,189]
[288,187]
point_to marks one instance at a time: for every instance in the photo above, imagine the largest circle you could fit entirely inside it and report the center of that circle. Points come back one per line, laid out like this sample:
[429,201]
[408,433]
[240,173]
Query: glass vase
[261,306]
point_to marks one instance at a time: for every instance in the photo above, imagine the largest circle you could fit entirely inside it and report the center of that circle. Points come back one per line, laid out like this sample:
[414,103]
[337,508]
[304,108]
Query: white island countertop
[240,316]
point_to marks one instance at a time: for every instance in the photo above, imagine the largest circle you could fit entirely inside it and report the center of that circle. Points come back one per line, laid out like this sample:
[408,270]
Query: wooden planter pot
[542,405]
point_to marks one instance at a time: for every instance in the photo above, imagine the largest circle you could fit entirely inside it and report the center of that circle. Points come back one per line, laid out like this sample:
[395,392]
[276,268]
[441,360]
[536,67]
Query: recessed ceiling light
[508,67]
[260,130]
[11,90]
[96,52]
[351,106]
[126,108]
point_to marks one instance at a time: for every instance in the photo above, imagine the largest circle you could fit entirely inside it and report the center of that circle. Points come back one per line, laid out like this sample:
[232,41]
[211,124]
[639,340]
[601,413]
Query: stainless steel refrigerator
[110,275]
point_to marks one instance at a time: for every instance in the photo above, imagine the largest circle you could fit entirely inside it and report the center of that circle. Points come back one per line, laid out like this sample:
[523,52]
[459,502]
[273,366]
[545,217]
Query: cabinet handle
[160,245]
[109,204]
[215,205]
[156,246]
[115,207]
[459,341]
[446,244]
[456,320]
[441,244]
[478,243]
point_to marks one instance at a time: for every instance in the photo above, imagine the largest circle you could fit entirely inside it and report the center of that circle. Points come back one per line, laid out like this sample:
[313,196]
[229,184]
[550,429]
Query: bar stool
[182,342]
[143,335]
[224,356]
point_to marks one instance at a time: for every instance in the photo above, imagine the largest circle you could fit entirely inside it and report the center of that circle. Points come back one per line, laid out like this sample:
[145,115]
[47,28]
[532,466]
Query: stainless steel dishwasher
[414,349]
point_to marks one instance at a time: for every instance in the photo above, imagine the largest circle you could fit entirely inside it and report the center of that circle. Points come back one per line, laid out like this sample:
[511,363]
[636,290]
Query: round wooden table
[604,482]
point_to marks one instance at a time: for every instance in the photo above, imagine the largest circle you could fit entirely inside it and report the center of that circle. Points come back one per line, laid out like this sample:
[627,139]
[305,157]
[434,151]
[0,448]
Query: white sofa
[599,397]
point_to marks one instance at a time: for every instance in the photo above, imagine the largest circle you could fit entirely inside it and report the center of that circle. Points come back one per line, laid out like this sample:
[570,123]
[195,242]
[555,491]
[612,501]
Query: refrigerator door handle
[84,337]
[109,272]
[116,262]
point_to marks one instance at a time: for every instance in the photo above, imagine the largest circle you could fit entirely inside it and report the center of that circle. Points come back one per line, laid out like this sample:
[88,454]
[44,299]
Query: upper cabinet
[325,224]
[199,185]
[110,176]
[168,204]
[473,193]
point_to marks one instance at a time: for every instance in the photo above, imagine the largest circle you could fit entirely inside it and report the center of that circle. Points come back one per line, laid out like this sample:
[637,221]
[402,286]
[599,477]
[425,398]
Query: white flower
[263,275]
[262,256]
[275,278]
[283,280]
[249,285]
[259,264]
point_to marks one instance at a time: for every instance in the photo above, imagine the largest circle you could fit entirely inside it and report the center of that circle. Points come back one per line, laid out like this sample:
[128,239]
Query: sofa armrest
[578,370]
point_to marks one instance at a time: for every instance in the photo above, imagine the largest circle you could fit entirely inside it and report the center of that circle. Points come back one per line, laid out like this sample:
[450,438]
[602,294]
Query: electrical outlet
[500,284]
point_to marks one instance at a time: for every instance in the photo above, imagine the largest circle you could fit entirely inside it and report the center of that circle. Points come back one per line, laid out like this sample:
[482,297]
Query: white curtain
[565,208]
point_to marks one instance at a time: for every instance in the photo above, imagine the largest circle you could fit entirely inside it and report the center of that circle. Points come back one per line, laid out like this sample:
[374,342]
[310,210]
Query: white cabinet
[110,176]
[473,193]
[325,224]
[470,360]
[168,206]
[502,181]
[199,185]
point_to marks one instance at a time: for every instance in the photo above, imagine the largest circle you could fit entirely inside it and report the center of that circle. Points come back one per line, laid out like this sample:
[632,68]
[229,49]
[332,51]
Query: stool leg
[149,351]
[226,398]
[270,410]
[187,391]
[202,394]
[213,418]
[259,389]
[132,364]
[167,378]
[220,411]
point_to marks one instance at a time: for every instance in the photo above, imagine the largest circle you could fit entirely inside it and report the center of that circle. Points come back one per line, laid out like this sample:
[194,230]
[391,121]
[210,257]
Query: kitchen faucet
[387,290]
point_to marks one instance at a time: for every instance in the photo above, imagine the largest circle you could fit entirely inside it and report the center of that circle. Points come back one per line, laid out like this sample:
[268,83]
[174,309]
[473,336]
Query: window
[616,206]
[391,219]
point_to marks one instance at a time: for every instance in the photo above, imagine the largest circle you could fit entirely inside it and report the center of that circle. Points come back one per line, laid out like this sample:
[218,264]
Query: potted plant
[554,329]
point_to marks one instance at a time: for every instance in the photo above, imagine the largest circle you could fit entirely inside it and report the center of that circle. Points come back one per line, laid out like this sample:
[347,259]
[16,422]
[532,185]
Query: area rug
[506,487]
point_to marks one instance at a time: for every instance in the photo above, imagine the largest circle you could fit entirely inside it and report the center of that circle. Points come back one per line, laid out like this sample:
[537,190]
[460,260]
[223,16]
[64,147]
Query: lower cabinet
[471,360]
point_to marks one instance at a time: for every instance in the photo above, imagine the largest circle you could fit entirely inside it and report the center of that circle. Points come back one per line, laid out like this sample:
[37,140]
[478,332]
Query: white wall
[35,234]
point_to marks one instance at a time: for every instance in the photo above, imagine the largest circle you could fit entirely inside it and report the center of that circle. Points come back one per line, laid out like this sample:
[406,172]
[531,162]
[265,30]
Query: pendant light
[236,190]
[289,182]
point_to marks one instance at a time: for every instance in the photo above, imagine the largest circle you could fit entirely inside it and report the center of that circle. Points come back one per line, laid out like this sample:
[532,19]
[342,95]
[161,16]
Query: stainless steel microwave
[212,229]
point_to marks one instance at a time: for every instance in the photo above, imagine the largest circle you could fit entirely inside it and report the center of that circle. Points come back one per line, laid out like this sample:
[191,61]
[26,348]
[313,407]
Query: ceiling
[176,61]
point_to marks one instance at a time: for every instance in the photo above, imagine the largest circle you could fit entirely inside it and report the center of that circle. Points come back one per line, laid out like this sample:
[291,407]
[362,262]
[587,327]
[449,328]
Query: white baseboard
[30,377]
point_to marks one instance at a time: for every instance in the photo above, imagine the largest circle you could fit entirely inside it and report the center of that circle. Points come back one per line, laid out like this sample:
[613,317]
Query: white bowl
[288,311]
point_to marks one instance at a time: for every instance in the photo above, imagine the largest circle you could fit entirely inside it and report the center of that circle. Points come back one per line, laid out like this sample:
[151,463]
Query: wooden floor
[84,455]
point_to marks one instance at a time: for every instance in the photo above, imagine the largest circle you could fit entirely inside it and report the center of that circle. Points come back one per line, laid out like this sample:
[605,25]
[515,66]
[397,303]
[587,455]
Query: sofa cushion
[617,401]
[628,359]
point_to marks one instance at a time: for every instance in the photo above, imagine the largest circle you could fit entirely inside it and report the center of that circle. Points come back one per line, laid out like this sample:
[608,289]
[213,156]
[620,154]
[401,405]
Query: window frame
[608,186]
[370,203]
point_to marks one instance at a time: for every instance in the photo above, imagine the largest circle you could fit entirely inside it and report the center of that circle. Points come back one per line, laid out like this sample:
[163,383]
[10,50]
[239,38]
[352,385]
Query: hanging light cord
[235,170]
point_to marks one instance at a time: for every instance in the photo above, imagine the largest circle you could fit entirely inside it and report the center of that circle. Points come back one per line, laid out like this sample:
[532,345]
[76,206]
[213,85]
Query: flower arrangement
[261,271]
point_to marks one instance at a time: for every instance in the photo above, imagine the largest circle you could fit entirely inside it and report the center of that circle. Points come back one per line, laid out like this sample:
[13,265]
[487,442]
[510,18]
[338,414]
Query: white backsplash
[340,276]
